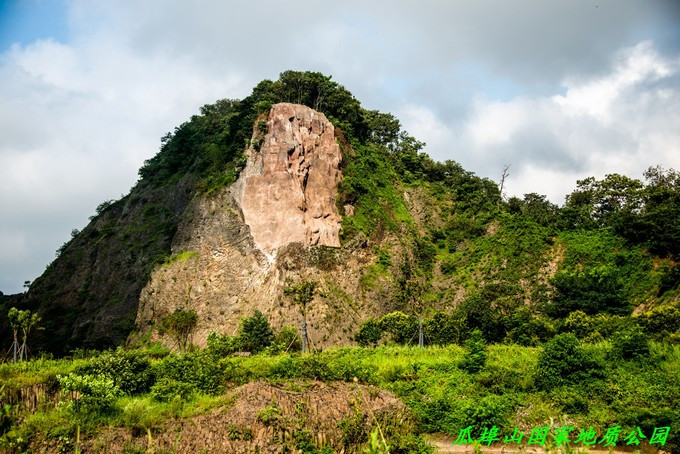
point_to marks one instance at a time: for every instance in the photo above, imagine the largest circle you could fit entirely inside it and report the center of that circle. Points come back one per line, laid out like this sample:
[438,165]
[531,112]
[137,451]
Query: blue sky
[25,21]
[561,90]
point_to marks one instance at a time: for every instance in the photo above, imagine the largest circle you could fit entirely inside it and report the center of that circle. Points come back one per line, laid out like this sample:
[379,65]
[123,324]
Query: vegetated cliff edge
[297,182]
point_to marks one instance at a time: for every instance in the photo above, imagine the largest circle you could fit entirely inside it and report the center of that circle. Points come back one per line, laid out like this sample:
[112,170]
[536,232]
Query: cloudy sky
[560,90]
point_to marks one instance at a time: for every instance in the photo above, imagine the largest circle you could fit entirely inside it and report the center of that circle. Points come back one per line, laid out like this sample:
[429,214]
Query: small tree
[564,362]
[24,321]
[180,326]
[475,358]
[256,334]
[301,294]
[14,315]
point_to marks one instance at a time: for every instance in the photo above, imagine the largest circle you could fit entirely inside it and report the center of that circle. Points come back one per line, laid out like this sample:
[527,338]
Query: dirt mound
[273,419]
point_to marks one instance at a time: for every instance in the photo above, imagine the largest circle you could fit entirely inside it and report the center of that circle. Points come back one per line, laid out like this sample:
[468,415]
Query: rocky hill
[299,183]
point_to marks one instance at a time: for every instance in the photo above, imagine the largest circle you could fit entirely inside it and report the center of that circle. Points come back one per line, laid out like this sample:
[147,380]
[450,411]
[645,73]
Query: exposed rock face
[287,190]
[273,226]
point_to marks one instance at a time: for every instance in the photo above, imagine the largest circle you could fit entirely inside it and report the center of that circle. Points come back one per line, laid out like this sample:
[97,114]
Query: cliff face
[287,190]
[88,296]
[236,251]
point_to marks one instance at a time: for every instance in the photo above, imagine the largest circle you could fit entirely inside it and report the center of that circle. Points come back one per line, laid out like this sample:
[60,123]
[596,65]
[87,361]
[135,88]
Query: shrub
[578,323]
[443,328]
[129,370]
[92,393]
[562,361]
[196,368]
[166,389]
[629,344]
[490,410]
[270,416]
[255,334]
[369,333]
[660,320]
[221,345]
[401,327]
[479,313]
[527,329]
[475,358]
[286,339]
[591,290]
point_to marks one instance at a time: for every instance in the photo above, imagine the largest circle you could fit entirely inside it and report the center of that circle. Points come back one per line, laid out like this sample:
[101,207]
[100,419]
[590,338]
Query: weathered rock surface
[287,190]
[277,224]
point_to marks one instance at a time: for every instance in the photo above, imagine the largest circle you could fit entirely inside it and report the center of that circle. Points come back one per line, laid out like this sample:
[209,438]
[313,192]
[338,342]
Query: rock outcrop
[287,190]
[236,250]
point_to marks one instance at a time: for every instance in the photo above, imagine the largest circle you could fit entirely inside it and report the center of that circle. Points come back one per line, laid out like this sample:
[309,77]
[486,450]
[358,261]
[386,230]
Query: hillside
[417,236]
[296,203]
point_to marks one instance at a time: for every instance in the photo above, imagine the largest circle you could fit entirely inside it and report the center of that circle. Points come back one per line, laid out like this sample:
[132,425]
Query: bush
[286,340]
[195,368]
[591,290]
[630,344]
[443,329]
[401,327]
[166,389]
[490,410]
[579,324]
[478,312]
[255,334]
[129,370]
[475,358]
[221,345]
[369,333]
[92,393]
[562,362]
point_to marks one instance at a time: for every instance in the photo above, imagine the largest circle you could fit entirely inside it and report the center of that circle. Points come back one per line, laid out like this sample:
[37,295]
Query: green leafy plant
[369,334]
[166,389]
[129,370]
[180,326]
[475,357]
[255,334]
[90,393]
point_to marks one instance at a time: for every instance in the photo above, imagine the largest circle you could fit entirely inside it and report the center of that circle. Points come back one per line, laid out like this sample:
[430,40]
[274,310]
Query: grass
[444,398]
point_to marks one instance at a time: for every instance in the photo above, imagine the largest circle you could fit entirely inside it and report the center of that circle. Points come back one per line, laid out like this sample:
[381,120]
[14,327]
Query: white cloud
[78,121]
[620,122]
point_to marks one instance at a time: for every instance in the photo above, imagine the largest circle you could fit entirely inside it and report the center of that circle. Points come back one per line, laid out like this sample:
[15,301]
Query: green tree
[475,357]
[255,334]
[180,326]
[402,328]
[301,294]
[631,343]
[591,290]
[23,321]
